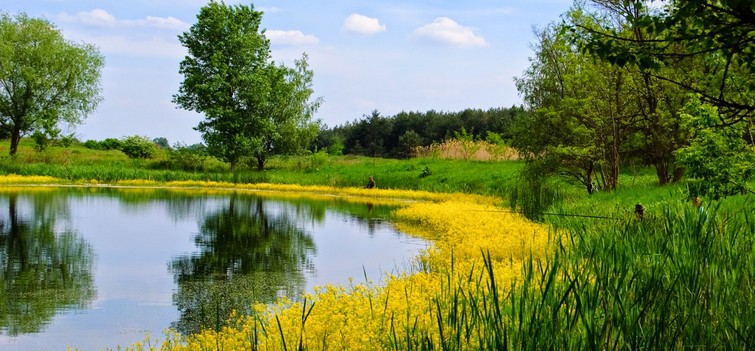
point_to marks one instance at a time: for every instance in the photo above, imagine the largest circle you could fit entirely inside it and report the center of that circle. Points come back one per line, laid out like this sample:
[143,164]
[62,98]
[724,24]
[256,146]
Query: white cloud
[291,38]
[360,24]
[102,18]
[169,23]
[446,31]
[96,17]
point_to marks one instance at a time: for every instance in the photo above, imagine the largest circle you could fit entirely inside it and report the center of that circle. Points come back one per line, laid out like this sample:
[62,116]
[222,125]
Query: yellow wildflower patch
[369,317]
[18,179]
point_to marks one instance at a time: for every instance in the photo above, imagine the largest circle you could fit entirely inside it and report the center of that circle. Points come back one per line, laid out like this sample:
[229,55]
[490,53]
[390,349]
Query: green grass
[78,163]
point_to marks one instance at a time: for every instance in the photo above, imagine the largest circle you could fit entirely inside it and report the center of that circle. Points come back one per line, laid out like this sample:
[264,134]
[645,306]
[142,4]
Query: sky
[385,56]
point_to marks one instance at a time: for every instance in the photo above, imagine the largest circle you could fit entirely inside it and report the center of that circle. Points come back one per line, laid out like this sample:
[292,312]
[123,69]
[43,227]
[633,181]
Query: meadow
[588,274]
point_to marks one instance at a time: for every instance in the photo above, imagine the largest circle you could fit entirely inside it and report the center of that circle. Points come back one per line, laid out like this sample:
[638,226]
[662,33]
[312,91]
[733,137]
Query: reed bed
[468,150]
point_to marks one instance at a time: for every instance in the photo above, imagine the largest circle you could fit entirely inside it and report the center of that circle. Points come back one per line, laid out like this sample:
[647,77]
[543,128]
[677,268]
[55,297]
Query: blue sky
[389,56]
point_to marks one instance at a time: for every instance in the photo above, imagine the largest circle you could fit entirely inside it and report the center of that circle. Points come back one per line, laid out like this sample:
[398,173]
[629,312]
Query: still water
[95,268]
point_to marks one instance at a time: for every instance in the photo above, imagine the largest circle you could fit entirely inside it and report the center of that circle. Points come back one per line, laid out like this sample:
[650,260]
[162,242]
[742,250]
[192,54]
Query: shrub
[92,144]
[110,144]
[138,147]
[40,141]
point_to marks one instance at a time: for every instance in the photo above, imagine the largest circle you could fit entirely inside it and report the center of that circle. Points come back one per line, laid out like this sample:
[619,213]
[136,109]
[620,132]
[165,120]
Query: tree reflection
[247,255]
[43,269]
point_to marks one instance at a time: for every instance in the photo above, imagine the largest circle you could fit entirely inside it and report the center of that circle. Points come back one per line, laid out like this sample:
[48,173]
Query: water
[97,268]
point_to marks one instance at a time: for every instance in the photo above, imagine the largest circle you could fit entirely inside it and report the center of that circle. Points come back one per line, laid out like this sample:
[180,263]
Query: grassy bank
[78,164]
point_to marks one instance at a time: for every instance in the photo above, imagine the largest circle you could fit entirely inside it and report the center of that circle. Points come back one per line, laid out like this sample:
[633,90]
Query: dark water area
[94,268]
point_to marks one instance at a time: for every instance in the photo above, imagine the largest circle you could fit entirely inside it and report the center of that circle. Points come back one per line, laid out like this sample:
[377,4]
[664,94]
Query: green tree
[252,107]
[582,112]
[285,125]
[44,79]
[137,146]
[720,32]
[719,157]
[407,142]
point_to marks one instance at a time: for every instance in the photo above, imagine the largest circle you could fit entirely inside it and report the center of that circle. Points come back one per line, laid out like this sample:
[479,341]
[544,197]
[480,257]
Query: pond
[94,268]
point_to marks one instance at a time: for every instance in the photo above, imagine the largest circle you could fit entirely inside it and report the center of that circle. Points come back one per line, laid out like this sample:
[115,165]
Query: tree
[44,79]
[718,31]
[719,157]
[250,104]
[286,123]
[582,112]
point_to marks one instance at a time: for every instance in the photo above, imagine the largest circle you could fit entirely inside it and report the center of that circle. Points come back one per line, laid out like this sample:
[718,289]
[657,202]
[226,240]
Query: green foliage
[376,135]
[714,35]
[40,141]
[532,193]
[407,142]
[191,158]
[46,80]
[336,149]
[425,172]
[138,147]
[318,159]
[717,155]
[67,140]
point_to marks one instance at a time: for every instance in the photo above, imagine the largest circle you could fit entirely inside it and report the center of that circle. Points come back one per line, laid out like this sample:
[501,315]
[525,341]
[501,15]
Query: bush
[92,144]
[138,147]
[110,144]
[40,141]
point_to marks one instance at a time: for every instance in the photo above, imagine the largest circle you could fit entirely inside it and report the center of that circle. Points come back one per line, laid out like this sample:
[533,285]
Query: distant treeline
[396,136]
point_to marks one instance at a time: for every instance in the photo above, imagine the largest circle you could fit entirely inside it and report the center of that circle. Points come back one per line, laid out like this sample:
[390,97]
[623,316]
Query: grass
[439,175]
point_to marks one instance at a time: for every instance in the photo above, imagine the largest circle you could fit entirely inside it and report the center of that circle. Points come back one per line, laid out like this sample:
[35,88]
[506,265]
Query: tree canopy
[250,104]
[44,79]
[718,34]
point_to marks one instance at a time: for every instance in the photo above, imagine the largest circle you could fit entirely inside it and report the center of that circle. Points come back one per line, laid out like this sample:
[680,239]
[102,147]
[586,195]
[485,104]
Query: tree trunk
[661,170]
[678,174]
[260,163]
[15,138]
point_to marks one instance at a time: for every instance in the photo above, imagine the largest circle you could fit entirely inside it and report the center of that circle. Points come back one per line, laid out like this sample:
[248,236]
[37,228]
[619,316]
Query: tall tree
[44,79]
[249,103]
[286,123]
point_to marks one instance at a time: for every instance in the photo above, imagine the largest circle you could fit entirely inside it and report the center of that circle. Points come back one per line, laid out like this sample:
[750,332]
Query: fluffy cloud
[102,18]
[360,24]
[446,31]
[290,38]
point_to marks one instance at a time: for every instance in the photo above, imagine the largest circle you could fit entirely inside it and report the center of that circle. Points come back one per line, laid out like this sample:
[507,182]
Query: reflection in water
[247,255]
[43,269]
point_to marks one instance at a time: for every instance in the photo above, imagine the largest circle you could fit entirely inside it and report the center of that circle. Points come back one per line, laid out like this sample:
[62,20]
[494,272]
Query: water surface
[94,268]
